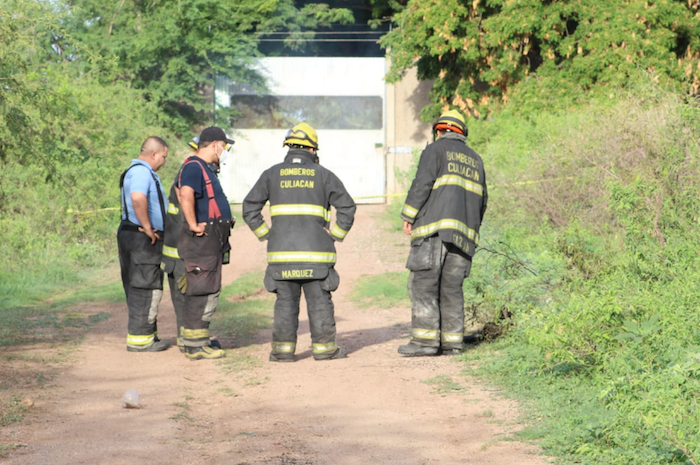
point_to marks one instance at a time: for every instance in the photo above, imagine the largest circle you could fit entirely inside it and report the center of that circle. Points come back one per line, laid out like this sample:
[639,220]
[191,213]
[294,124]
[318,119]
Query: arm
[344,208]
[187,206]
[253,205]
[140,203]
[426,174]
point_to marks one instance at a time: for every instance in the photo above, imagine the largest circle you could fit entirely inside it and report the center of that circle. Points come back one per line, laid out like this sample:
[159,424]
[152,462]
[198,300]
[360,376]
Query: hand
[151,233]
[407,227]
[199,229]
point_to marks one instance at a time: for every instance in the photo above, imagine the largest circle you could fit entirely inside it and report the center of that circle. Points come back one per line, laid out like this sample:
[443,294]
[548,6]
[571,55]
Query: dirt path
[374,407]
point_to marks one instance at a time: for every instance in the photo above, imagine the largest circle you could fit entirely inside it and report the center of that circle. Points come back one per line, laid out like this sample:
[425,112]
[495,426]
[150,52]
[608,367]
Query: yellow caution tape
[398,194]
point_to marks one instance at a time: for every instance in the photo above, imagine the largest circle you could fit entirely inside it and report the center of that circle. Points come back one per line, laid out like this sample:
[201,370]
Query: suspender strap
[214,211]
[160,193]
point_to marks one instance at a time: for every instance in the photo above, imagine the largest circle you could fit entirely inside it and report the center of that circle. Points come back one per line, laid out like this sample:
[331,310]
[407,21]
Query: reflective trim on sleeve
[324,348]
[409,211]
[195,333]
[452,337]
[262,230]
[283,347]
[300,209]
[301,257]
[170,251]
[447,223]
[140,341]
[420,333]
[337,232]
[454,180]
[172,209]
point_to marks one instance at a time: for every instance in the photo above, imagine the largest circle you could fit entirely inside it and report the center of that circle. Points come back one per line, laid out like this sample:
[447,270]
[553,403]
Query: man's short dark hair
[152,142]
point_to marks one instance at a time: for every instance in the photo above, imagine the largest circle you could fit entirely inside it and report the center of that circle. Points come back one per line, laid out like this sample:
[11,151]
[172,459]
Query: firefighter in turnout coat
[173,264]
[203,242]
[300,250]
[443,212]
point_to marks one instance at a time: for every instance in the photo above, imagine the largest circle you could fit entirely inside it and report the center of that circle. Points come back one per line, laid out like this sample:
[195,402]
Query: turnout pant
[175,269]
[438,270]
[320,308]
[203,259]
[142,279]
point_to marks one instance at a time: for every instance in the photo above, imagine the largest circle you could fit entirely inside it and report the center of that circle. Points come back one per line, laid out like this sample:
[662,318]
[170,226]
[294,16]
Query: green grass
[444,384]
[387,290]
[12,411]
[244,308]
[7,449]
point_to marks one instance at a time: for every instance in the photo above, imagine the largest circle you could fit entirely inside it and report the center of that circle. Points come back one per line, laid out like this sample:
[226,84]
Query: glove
[182,283]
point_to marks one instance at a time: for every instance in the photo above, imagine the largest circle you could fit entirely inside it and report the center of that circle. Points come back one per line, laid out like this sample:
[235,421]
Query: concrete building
[367,129]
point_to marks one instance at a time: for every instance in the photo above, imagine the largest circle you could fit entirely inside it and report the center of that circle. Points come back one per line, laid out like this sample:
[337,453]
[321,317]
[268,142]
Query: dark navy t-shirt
[193,177]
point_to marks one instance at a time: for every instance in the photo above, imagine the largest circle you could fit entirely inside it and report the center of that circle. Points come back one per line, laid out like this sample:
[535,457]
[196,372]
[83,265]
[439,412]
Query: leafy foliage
[598,272]
[171,51]
[540,53]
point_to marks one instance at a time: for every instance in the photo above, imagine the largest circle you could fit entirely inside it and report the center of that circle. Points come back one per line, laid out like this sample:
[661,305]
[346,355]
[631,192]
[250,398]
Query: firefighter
[140,244]
[300,250]
[203,242]
[443,212]
[173,265]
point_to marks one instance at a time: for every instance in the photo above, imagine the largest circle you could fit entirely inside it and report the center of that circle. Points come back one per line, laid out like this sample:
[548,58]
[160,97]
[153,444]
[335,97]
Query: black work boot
[338,354]
[281,358]
[415,350]
[157,346]
[451,351]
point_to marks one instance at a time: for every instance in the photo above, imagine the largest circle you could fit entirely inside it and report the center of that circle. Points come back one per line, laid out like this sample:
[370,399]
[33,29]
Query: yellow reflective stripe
[448,223]
[324,348]
[337,232]
[306,257]
[452,179]
[135,340]
[409,211]
[452,337]
[172,209]
[420,333]
[170,251]
[300,209]
[284,347]
[195,333]
[262,230]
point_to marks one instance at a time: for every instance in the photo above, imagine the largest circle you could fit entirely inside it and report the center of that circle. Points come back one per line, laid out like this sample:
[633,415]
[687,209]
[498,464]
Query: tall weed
[591,248]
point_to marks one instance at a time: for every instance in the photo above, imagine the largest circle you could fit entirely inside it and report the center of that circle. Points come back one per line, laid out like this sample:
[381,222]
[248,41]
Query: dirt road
[375,407]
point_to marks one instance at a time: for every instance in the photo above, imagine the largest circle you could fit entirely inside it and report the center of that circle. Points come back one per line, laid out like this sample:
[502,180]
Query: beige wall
[405,132]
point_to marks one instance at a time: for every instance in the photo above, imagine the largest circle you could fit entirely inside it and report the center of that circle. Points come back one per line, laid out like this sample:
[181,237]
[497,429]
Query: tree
[172,51]
[541,52]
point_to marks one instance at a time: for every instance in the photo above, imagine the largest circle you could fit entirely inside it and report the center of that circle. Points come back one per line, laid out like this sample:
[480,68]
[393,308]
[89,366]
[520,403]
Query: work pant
[203,256]
[319,305]
[142,279]
[438,270]
[175,269]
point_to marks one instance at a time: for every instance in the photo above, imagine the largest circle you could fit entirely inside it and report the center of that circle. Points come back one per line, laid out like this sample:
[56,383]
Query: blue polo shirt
[191,175]
[140,179]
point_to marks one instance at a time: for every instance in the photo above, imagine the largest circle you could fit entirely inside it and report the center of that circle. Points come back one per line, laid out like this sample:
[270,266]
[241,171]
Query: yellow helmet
[451,121]
[194,144]
[302,134]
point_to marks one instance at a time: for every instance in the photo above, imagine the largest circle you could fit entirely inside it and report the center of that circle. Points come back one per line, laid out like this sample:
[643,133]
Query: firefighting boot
[414,350]
[181,345]
[281,358]
[157,346]
[205,352]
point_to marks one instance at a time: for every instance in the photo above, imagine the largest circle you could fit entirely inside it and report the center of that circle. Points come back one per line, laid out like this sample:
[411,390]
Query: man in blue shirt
[140,244]
[203,242]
